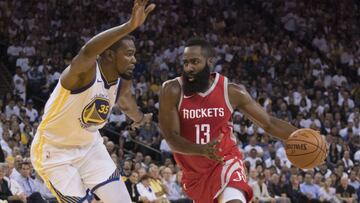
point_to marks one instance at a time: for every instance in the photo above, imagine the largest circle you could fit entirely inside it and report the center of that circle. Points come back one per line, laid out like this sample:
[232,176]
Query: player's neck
[108,70]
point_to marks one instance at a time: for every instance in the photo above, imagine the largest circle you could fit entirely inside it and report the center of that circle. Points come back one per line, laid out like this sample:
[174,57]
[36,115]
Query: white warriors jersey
[72,118]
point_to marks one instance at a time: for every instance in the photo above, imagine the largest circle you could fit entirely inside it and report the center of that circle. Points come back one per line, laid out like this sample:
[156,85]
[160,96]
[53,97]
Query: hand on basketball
[146,119]
[140,12]
[210,150]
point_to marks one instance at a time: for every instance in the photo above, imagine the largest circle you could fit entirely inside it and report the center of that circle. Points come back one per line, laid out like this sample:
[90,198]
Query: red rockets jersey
[202,118]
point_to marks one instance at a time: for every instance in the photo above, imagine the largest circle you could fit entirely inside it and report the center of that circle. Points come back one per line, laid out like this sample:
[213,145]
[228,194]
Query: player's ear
[210,61]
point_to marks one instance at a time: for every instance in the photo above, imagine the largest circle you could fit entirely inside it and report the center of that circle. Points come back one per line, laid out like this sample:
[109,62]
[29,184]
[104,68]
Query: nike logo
[98,80]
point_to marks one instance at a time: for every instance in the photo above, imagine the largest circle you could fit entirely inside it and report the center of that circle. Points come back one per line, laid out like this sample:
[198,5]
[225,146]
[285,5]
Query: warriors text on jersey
[203,117]
[72,118]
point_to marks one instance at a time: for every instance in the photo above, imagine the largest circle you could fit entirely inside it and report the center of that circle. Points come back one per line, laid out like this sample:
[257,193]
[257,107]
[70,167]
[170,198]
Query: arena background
[299,59]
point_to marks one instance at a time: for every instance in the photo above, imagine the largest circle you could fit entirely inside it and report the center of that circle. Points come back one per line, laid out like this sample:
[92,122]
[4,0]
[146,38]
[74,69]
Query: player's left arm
[241,99]
[128,105]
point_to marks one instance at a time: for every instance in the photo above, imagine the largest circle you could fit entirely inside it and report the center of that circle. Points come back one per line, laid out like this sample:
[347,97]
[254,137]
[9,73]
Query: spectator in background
[325,172]
[328,193]
[11,109]
[19,82]
[169,182]
[156,183]
[31,188]
[15,174]
[348,163]
[149,134]
[309,189]
[260,190]
[15,187]
[5,192]
[131,183]
[126,168]
[165,150]
[253,158]
[292,190]
[44,191]
[354,179]
[2,155]
[345,192]
[275,189]
[253,145]
[145,190]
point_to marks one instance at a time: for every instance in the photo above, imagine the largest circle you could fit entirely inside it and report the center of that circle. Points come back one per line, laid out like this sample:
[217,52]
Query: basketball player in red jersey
[195,119]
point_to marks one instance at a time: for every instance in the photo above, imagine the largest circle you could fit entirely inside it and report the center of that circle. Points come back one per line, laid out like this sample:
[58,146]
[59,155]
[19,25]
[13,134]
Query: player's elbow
[123,105]
[85,51]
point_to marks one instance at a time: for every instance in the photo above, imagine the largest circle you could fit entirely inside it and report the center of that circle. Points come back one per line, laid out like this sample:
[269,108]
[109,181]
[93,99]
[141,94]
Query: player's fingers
[214,143]
[217,158]
[143,2]
[136,6]
[217,140]
[134,126]
[150,8]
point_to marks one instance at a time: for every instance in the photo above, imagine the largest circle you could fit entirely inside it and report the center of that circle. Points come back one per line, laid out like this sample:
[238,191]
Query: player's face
[196,70]
[125,59]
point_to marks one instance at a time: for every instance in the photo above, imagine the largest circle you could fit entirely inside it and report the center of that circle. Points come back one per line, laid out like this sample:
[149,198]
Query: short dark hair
[206,47]
[119,43]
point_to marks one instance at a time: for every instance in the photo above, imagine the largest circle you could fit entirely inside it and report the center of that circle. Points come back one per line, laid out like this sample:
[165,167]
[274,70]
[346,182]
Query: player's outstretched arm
[170,125]
[82,67]
[127,104]
[241,99]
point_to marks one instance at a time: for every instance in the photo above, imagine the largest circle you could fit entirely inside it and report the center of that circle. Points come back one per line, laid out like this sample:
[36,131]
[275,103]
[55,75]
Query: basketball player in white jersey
[68,150]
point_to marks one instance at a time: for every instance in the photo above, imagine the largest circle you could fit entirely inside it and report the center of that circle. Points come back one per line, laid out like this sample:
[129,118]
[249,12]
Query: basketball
[305,148]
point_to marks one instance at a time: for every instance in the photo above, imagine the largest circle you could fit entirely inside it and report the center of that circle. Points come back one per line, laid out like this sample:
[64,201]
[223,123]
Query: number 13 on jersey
[202,133]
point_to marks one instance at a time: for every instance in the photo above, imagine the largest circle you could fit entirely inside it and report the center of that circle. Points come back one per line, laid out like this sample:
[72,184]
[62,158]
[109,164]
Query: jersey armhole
[82,89]
[118,90]
[226,94]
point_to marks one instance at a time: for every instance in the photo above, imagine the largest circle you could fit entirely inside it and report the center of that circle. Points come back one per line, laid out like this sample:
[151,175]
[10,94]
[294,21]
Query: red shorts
[205,188]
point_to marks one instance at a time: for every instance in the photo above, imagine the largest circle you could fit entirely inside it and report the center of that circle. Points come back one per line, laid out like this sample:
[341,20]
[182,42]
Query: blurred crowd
[299,59]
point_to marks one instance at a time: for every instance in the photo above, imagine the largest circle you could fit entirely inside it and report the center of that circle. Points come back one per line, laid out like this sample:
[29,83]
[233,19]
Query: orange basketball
[305,148]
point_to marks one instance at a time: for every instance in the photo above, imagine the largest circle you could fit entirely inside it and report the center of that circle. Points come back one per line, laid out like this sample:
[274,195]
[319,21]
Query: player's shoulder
[238,95]
[236,87]
[172,86]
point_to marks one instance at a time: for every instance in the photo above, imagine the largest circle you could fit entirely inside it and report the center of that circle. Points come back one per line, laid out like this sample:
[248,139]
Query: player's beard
[200,82]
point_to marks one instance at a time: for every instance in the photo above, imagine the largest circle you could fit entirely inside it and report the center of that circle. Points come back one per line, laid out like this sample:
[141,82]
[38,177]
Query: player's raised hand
[210,150]
[139,13]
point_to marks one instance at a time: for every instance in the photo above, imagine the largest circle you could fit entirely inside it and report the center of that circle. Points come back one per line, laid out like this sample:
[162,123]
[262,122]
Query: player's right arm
[241,99]
[82,68]
[170,125]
